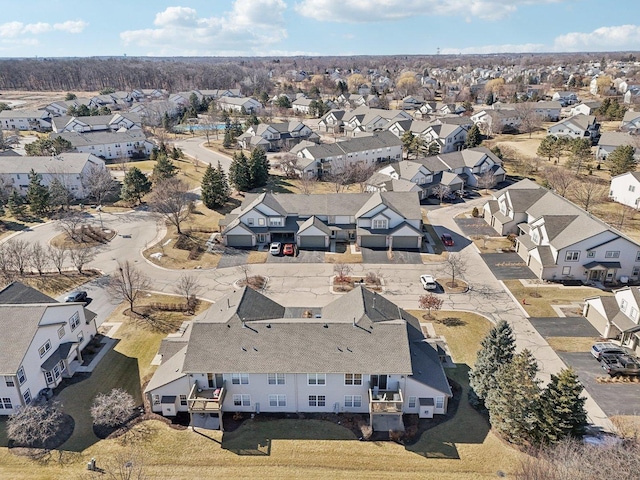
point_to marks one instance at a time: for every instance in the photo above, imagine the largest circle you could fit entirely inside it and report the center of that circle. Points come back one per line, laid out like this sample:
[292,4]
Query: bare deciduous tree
[57,256]
[289,164]
[124,465]
[38,258]
[441,191]
[128,283]
[81,256]
[97,183]
[7,268]
[18,250]
[430,302]
[71,223]
[625,214]
[358,173]
[112,409]
[587,193]
[487,180]
[529,119]
[455,265]
[342,271]
[559,179]
[188,286]
[34,425]
[170,199]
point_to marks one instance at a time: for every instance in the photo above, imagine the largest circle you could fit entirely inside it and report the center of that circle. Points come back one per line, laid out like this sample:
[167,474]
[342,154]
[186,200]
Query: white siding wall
[625,189]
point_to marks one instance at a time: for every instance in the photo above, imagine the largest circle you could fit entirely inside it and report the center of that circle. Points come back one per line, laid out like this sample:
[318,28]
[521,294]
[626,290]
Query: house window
[240,378]
[316,379]
[633,313]
[636,271]
[439,402]
[156,399]
[353,379]
[9,381]
[612,254]
[354,401]
[80,336]
[572,256]
[623,305]
[317,400]
[261,222]
[61,332]
[535,237]
[27,396]
[183,400]
[44,348]
[49,377]
[21,376]
[566,270]
[277,400]
[276,378]
[74,321]
[380,224]
[249,221]
[6,402]
[275,222]
[632,188]
[243,400]
[412,402]
[591,254]
[637,256]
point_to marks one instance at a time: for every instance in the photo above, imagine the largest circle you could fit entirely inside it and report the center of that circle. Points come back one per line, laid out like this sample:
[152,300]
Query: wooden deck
[205,400]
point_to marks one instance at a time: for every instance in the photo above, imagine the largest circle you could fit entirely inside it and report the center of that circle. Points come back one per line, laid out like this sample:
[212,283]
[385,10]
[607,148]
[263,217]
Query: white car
[428,282]
[274,248]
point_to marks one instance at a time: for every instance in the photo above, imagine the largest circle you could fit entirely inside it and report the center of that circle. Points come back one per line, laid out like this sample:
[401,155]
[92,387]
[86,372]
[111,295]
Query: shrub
[113,408]
[475,212]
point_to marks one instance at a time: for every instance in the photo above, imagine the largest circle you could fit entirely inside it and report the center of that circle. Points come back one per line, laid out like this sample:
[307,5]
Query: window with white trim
[275,222]
[27,396]
[353,401]
[261,222]
[80,336]
[572,256]
[635,272]
[277,400]
[74,321]
[566,270]
[316,379]
[353,379]
[49,377]
[317,400]
[8,380]
[412,402]
[21,376]
[44,348]
[439,402]
[183,400]
[61,332]
[612,254]
[240,378]
[637,256]
[156,399]
[241,400]
[632,188]
[275,378]
[591,254]
[633,313]
[380,224]
[623,305]
[5,402]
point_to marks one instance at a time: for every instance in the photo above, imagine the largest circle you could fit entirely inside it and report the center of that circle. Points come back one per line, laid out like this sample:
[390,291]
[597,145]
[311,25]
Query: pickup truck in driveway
[620,364]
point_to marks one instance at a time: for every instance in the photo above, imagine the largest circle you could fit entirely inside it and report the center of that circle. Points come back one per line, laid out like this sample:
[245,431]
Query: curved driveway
[308,284]
[194,148]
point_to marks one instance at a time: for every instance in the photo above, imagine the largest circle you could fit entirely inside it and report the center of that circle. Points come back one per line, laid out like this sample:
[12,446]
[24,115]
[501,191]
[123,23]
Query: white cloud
[15,29]
[488,49]
[362,11]
[71,26]
[249,28]
[621,37]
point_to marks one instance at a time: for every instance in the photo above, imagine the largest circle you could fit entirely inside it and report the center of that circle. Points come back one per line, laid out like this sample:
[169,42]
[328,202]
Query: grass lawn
[462,448]
[188,171]
[54,284]
[571,344]
[492,244]
[540,304]
[346,257]
[257,257]
[177,258]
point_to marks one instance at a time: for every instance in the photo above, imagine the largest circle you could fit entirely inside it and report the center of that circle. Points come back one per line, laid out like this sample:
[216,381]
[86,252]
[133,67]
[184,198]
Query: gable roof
[17,293]
[19,324]
[68,163]
[101,137]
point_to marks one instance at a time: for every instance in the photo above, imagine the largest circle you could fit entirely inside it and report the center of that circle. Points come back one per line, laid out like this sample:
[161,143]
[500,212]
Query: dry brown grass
[346,257]
[187,171]
[492,243]
[540,305]
[571,344]
[54,284]
[257,257]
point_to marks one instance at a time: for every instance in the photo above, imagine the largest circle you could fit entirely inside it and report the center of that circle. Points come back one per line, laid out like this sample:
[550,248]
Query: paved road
[194,148]
[309,286]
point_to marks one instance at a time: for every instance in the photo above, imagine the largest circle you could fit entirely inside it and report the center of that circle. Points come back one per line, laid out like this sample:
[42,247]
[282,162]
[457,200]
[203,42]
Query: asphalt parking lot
[302,256]
[398,256]
[233,257]
[475,226]
[564,327]
[507,266]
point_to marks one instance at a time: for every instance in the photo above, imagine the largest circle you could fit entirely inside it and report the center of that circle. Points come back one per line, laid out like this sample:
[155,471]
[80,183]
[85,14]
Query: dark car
[447,240]
[616,364]
[77,296]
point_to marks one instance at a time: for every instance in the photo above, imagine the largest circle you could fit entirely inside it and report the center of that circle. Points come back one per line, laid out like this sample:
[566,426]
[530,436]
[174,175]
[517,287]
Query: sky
[64,28]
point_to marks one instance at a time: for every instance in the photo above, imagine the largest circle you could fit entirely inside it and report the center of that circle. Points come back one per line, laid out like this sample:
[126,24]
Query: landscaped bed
[344,284]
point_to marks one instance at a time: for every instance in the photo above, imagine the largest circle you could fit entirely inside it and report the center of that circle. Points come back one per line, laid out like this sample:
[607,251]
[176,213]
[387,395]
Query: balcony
[206,401]
[385,401]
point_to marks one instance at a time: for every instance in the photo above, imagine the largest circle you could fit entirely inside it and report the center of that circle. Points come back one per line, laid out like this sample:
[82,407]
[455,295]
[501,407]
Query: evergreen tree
[283,102]
[226,141]
[239,172]
[252,120]
[407,141]
[621,160]
[490,100]
[473,137]
[562,413]
[166,121]
[59,196]
[16,204]
[497,350]
[37,194]
[163,169]
[135,186]
[548,147]
[514,401]
[258,167]
[215,189]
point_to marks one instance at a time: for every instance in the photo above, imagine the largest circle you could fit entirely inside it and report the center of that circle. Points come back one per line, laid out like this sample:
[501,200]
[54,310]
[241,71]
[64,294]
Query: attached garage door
[312,241]
[405,242]
[373,241]
[239,241]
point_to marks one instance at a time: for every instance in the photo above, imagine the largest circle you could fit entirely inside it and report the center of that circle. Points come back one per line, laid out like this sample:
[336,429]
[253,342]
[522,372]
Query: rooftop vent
[244,349]
[326,325]
[268,325]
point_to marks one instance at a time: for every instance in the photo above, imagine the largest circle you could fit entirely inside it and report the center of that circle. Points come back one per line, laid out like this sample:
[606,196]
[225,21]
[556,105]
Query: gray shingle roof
[103,137]
[19,324]
[68,163]
[17,293]
[427,368]
[168,371]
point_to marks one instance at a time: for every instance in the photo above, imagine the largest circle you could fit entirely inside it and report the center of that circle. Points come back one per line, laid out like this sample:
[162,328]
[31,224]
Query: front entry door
[379,381]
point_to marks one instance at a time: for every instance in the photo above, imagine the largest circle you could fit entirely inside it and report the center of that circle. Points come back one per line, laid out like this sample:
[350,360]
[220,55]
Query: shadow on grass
[254,436]
[275,184]
[465,426]
[115,370]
